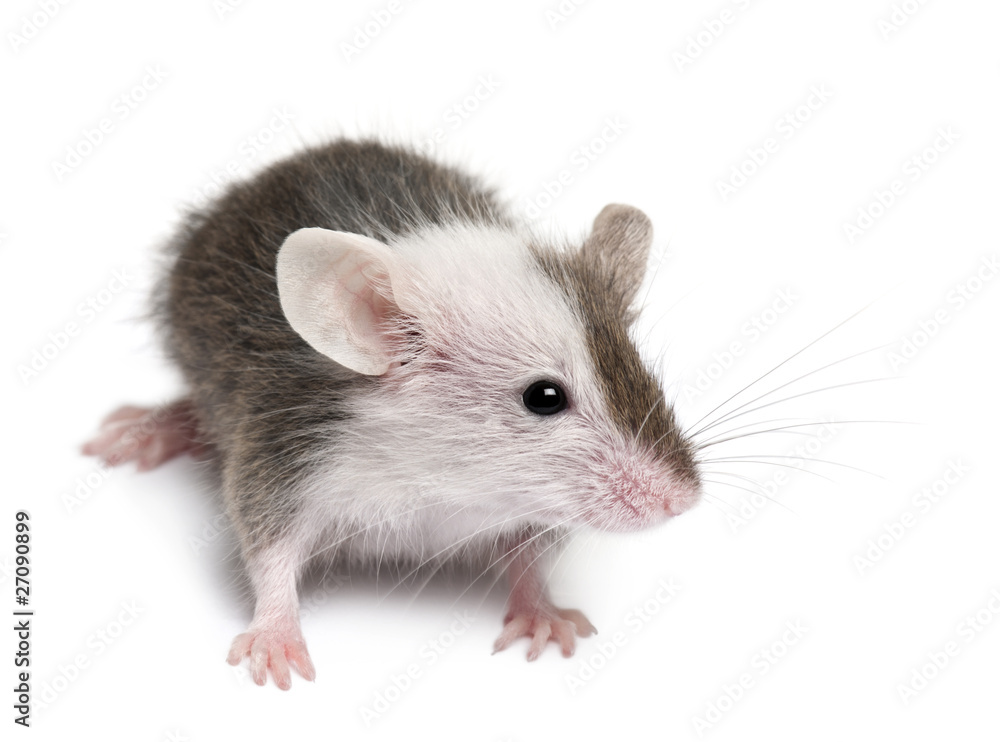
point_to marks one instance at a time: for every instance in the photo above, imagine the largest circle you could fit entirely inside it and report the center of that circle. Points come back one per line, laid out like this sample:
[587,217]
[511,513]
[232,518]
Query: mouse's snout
[636,491]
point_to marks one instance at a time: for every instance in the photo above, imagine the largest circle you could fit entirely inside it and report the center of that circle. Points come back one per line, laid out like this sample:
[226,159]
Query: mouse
[386,363]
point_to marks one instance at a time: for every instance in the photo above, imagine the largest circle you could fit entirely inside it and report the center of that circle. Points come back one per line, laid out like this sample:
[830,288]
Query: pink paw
[149,436]
[274,648]
[544,623]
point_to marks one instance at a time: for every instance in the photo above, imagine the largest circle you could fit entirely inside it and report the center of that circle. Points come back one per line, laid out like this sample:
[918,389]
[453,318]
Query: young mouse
[388,366]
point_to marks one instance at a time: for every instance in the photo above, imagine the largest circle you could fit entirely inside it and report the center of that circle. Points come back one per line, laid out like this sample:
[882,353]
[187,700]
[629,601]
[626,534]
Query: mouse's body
[387,365]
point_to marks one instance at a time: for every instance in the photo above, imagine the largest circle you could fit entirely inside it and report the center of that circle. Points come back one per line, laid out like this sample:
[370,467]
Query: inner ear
[336,291]
[618,247]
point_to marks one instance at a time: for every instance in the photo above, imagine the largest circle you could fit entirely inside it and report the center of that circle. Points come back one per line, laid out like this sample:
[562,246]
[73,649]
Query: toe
[298,656]
[583,626]
[543,631]
[515,628]
[279,667]
[154,452]
[563,632]
[105,441]
[258,663]
[239,649]
[128,412]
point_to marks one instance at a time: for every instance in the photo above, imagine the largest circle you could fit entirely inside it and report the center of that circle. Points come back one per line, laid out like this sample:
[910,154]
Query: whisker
[785,428]
[753,492]
[729,414]
[795,396]
[515,550]
[454,547]
[720,472]
[774,463]
[718,500]
[646,419]
[789,358]
[800,458]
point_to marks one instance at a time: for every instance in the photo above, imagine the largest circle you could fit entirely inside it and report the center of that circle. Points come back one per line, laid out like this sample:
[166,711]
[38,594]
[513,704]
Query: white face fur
[453,325]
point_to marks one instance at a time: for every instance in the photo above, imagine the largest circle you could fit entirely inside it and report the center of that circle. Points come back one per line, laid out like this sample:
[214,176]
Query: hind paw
[149,436]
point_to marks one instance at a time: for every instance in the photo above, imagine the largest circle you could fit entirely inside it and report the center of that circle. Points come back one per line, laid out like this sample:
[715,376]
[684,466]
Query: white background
[155,540]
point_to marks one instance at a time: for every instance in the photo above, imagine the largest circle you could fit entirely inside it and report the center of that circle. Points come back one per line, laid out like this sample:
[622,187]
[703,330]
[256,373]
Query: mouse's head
[503,372]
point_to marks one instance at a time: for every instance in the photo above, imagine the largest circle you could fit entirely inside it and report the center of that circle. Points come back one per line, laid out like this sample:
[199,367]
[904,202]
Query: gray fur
[267,401]
[262,394]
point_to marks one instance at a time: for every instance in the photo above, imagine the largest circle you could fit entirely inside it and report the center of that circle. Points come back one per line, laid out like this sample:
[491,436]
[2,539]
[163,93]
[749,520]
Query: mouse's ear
[336,292]
[618,248]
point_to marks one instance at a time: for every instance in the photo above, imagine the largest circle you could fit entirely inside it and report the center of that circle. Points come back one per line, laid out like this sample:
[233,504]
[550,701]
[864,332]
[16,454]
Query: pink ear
[336,292]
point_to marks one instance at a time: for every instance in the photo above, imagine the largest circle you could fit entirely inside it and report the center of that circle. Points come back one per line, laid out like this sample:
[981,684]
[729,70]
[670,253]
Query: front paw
[544,623]
[275,648]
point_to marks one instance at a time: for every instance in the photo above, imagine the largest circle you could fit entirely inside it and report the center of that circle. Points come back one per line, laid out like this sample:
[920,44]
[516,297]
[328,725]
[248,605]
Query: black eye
[544,398]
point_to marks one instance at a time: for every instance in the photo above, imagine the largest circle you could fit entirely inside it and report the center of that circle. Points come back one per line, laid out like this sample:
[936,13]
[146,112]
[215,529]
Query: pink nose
[682,498]
[641,493]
